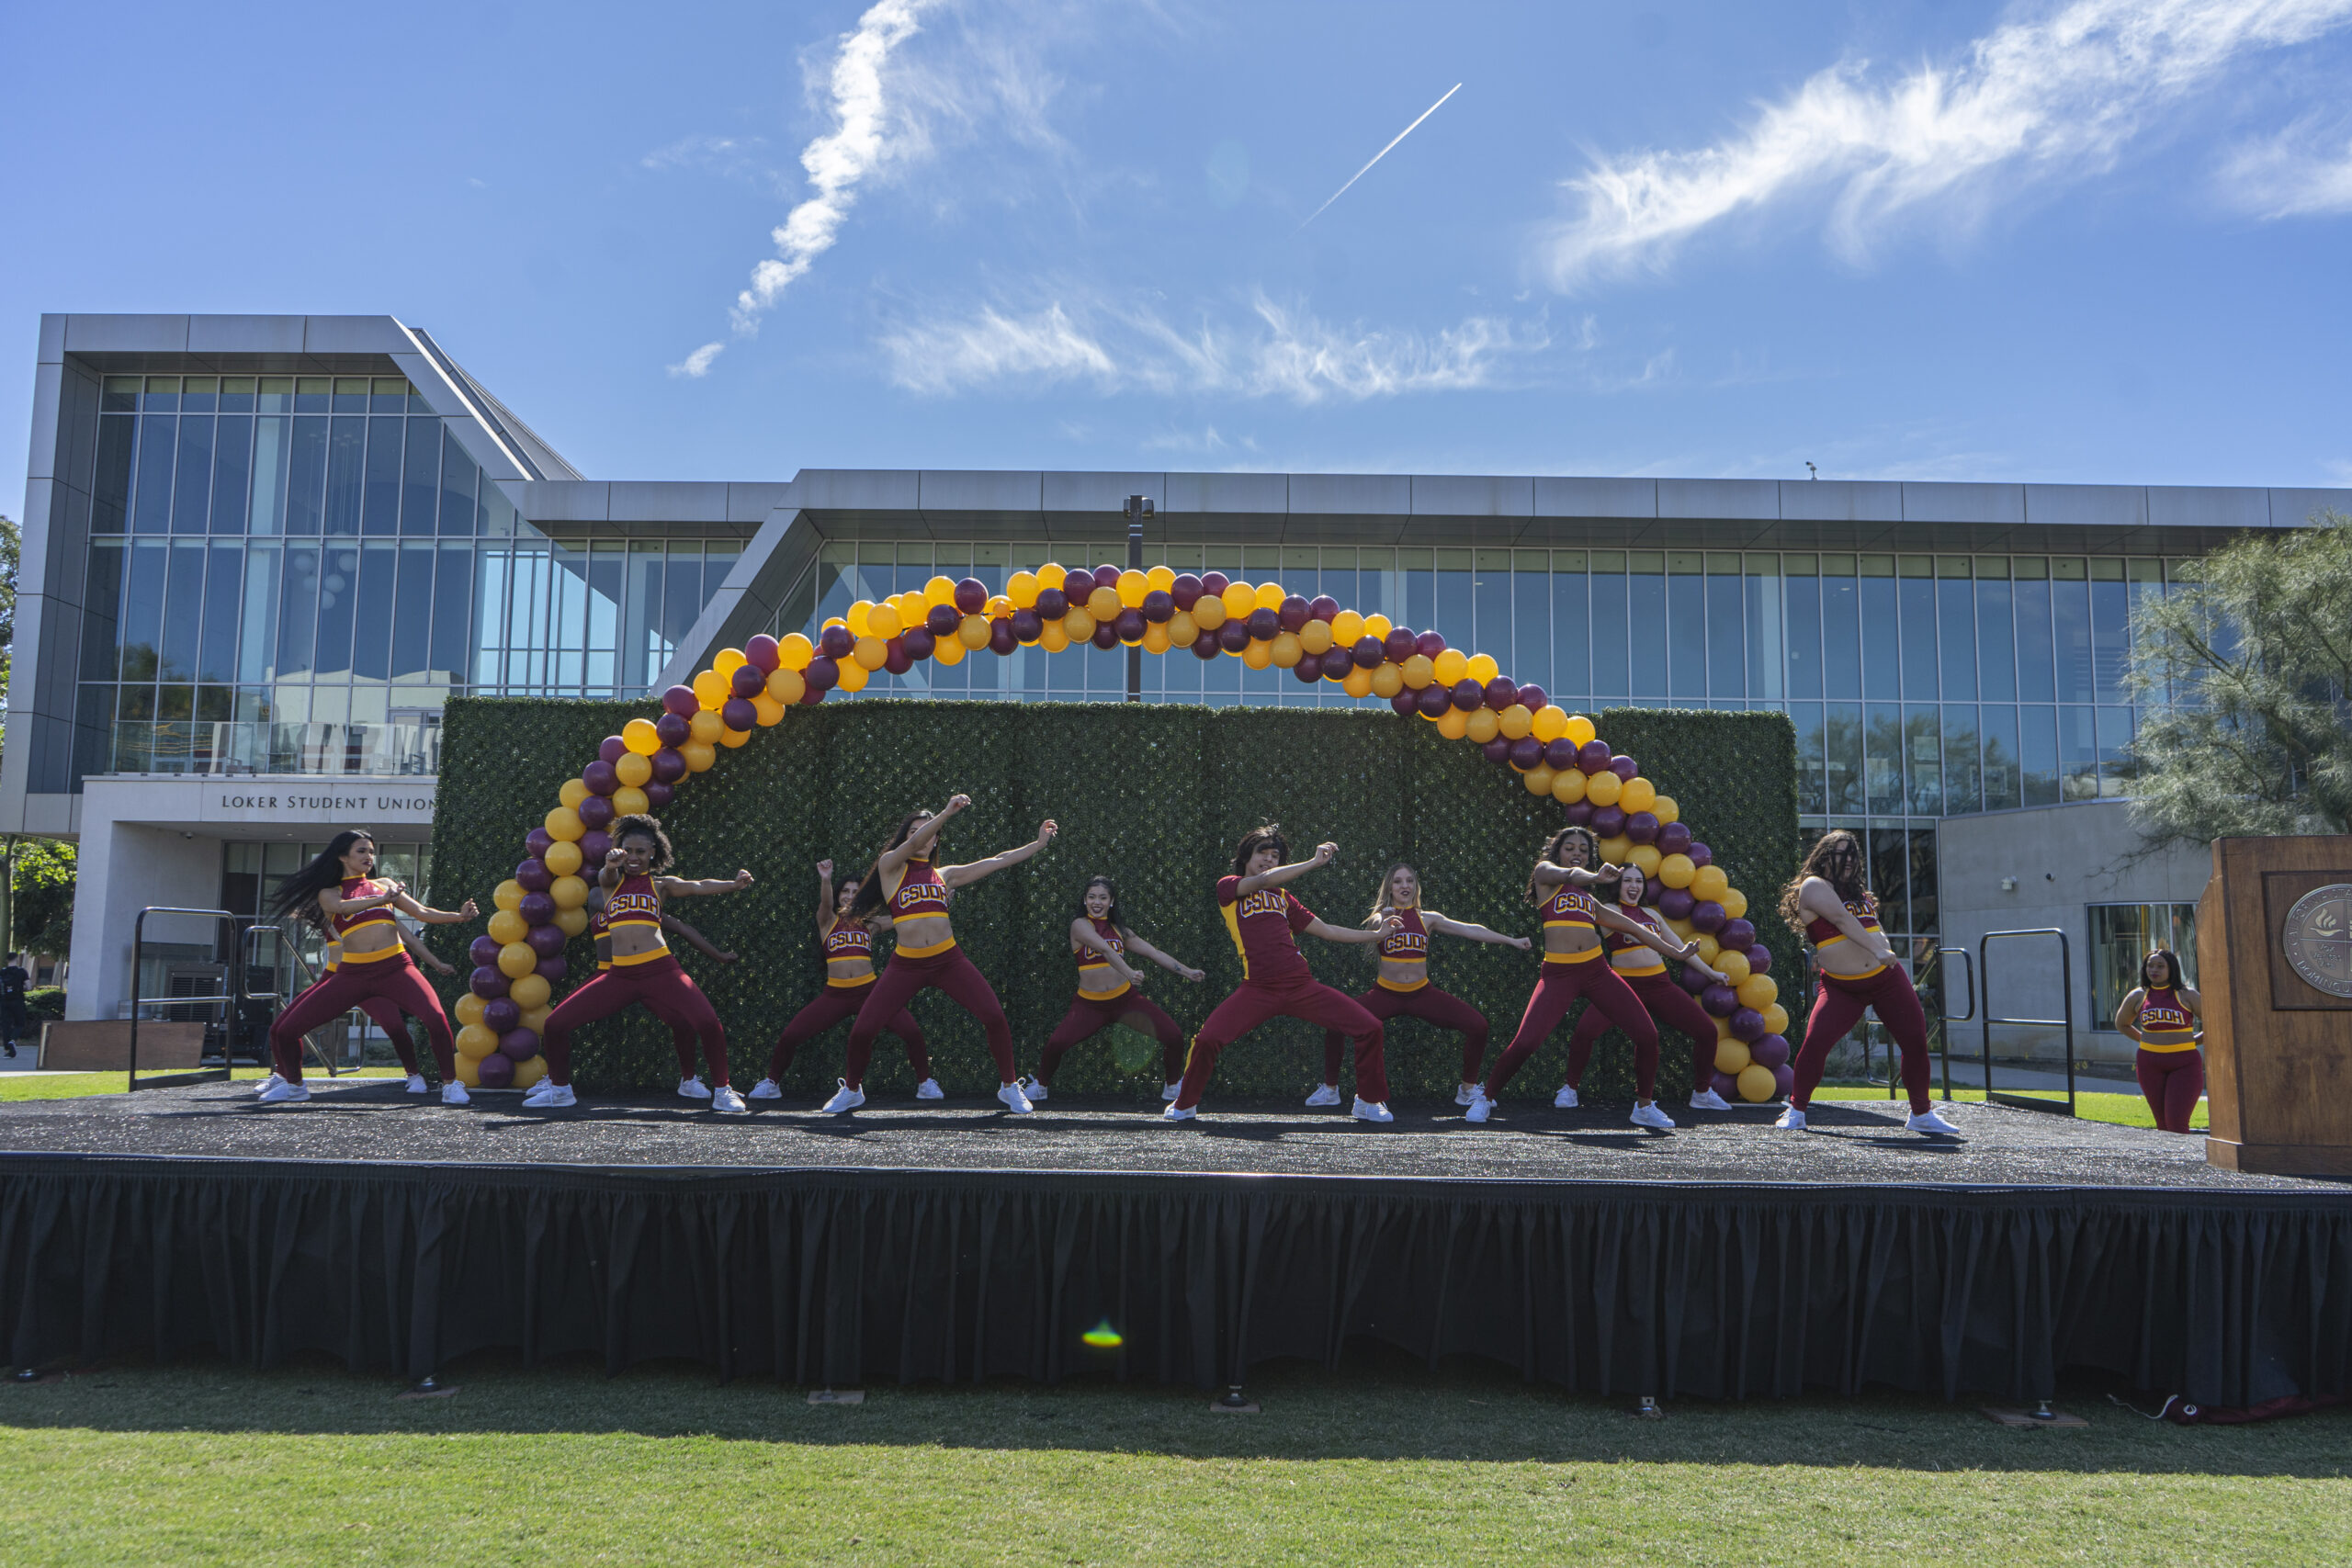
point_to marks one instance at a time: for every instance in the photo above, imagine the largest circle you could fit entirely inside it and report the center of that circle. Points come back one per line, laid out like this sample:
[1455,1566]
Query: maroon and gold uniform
[849,949]
[1842,1000]
[1568,975]
[1666,1002]
[1410,943]
[653,978]
[1092,1012]
[921,894]
[1276,983]
[385,984]
[849,954]
[1823,933]
[2170,1069]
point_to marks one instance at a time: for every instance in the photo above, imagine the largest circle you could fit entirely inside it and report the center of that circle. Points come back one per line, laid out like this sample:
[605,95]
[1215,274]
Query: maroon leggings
[668,992]
[1666,1003]
[886,998]
[831,1005]
[1837,1005]
[2171,1081]
[1607,991]
[1430,1005]
[392,981]
[1089,1016]
[1299,996]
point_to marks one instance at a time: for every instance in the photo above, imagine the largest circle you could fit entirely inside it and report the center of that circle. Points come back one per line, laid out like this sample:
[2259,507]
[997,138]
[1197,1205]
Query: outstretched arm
[408,906]
[422,954]
[332,900]
[701,943]
[676,887]
[1686,950]
[1173,965]
[1475,931]
[1356,936]
[1818,897]
[1550,876]
[1292,873]
[972,871]
[608,875]
[1083,933]
[918,842]
[825,903]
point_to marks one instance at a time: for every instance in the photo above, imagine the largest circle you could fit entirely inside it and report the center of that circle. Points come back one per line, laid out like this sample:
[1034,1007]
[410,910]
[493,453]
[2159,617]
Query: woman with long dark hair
[1641,965]
[1574,920]
[1829,900]
[643,968]
[1101,940]
[339,893]
[1403,989]
[848,945]
[2161,1014]
[1264,922]
[905,882]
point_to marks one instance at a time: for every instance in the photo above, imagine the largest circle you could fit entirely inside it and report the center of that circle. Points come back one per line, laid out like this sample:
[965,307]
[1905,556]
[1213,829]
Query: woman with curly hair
[1101,940]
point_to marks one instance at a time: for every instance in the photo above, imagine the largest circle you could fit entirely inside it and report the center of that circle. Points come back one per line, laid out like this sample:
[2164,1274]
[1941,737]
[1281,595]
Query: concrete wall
[123,868]
[2062,859]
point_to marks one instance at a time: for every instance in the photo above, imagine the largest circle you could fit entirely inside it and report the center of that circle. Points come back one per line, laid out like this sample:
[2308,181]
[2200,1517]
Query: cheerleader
[1859,971]
[339,893]
[1101,939]
[848,945]
[682,1041]
[643,968]
[1264,922]
[2161,1014]
[1403,987]
[1638,963]
[387,1016]
[913,890]
[1573,923]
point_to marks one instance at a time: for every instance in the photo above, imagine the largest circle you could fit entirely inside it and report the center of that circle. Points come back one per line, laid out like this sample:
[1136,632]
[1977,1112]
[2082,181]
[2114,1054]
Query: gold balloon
[1240,599]
[795,652]
[700,754]
[1051,576]
[711,689]
[706,725]
[564,823]
[630,802]
[1077,626]
[1417,671]
[1155,638]
[851,677]
[1377,628]
[506,925]
[860,625]
[1639,795]
[569,892]
[1132,587]
[972,631]
[1776,1019]
[1645,856]
[1022,589]
[1482,725]
[1346,628]
[1757,992]
[573,792]
[883,622]
[1676,871]
[508,895]
[1183,630]
[1732,1056]
[469,1071]
[1103,603]
[1515,722]
[1356,682]
[1734,965]
[1757,1084]
[516,960]
[948,650]
[735,738]
[1315,636]
[1538,779]
[1708,948]
[1161,578]
[786,687]
[770,711]
[1258,654]
[529,992]
[1567,786]
[1615,849]
[639,735]
[871,652]
[1209,614]
[572,922]
[1053,639]
[729,660]
[1387,680]
[562,859]
[469,1007]
[1579,729]
[1734,903]
[634,769]
[530,1072]
[1603,788]
[1270,596]
[1665,810]
[1482,668]
[1550,723]
[939,590]
[1285,650]
[1709,883]
[535,1019]
[1450,667]
[1453,723]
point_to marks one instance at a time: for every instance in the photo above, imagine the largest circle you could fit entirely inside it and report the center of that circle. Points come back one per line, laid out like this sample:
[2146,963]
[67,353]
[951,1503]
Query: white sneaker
[725,1099]
[1014,1100]
[1370,1111]
[1929,1121]
[1480,1109]
[767,1088]
[1651,1116]
[1169,1091]
[845,1098]
[417,1083]
[1038,1093]
[1176,1112]
[283,1093]
[537,1093]
[1325,1094]
[454,1093]
[556,1098]
[1566,1099]
[1708,1099]
[929,1089]
[263,1086]
[1465,1093]
[1792,1121]
[693,1089]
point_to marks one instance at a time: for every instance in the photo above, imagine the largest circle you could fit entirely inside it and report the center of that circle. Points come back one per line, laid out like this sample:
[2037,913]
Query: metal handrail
[2066,1001]
[227,998]
[293,952]
[1968,983]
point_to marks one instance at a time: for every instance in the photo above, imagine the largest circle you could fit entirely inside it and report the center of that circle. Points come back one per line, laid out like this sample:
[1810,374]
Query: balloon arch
[543,907]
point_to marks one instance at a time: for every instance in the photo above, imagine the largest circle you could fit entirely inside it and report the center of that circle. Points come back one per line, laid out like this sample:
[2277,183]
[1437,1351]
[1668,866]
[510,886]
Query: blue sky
[2087,239]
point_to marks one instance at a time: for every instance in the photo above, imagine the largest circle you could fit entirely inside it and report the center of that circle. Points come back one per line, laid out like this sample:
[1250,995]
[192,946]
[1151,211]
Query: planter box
[103,1045]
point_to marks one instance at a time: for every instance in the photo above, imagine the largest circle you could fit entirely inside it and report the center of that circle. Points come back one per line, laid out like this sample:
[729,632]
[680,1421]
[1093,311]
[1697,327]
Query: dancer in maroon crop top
[2161,1013]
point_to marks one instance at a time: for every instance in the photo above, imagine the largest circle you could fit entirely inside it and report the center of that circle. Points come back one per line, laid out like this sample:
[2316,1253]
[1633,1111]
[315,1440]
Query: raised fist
[825,869]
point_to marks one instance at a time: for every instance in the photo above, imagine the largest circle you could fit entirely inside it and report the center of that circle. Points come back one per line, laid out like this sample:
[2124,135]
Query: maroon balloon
[971,595]
[682,701]
[552,970]
[1693,980]
[1737,934]
[1429,645]
[1651,889]
[1526,753]
[918,643]
[518,1044]
[485,951]
[502,1015]
[600,778]
[822,673]
[673,730]
[1052,604]
[1624,768]
[1264,626]
[611,749]
[1128,626]
[835,642]
[1027,625]
[1642,827]
[596,811]
[1673,838]
[1560,754]
[487,980]
[1608,821]
[1369,654]
[539,842]
[1323,607]
[1433,699]
[537,909]
[1759,958]
[1185,591]
[1496,751]
[1785,1081]
[1676,903]
[1000,638]
[1593,756]
[1746,1023]
[534,876]
[736,714]
[1719,1001]
[810,695]
[546,940]
[1398,645]
[1700,855]
[495,1070]
[1768,1049]
[765,657]
[594,845]
[669,767]
[1708,915]
[747,681]
[1206,646]
[1468,694]
[1106,635]
[1580,813]
[1234,635]
[941,620]
[1407,704]
[1106,576]
[1533,697]
[658,796]
[895,658]
[1215,583]
[1159,606]
[1308,670]
[1726,1086]
[1335,663]
[1501,693]
[1293,614]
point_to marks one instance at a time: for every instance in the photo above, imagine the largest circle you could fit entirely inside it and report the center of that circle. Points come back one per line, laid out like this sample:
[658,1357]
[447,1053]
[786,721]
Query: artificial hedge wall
[1153,796]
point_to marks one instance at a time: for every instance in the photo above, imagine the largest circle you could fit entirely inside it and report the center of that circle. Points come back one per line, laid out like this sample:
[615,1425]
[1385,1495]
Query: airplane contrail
[1376,157]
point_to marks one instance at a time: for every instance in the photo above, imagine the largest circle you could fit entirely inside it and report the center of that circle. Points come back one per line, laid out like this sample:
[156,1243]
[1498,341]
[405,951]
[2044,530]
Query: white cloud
[1279,352]
[697,364]
[2304,171]
[2050,93]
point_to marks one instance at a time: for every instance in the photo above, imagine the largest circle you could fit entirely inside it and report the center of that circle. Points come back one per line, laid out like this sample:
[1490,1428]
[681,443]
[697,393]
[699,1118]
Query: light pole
[1139,508]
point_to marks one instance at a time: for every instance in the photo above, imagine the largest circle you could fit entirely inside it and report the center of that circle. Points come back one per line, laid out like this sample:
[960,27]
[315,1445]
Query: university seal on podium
[2317,938]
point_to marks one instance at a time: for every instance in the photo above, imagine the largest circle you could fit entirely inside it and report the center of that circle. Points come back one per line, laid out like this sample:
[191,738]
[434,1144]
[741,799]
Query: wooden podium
[2274,965]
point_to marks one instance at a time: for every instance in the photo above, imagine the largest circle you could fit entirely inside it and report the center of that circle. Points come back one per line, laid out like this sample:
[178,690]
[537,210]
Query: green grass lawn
[66,1085]
[1382,1463]
[2124,1110]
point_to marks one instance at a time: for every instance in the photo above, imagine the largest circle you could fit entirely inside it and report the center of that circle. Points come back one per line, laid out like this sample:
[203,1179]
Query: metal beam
[763,578]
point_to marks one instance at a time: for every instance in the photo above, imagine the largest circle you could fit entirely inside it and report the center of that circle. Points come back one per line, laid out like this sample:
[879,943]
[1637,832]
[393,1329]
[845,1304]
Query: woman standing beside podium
[2162,1015]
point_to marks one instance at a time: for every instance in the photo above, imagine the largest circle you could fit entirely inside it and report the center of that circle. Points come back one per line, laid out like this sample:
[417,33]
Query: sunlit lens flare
[1103,1336]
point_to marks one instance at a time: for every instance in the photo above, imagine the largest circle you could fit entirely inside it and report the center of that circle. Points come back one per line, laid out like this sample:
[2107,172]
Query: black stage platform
[955,1241]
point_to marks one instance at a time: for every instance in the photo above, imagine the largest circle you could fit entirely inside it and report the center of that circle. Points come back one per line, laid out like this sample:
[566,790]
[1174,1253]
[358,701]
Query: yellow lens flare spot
[1103,1336]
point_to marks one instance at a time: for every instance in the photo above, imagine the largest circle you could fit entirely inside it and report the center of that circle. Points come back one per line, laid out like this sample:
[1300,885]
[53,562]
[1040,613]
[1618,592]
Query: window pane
[1801,589]
[257,630]
[306,487]
[2114,750]
[1612,671]
[1490,596]
[412,612]
[1917,597]
[151,504]
[297,613]
[273,451]
[2003,787]
[1841,649]
[110,487]
[222,587]
[1881,641]
[2038,752]
[101,607]
[1646,623]
[192,491]
[452,599]
[1727,633]
[1962,791]
[232,473]
[459,476]
[2110,638]
[2078,753]
[1455,620]
[1571,636]
[1766,658]
[338,585]
[381,506]
[1683,630]
[1812,798]
[1885,755]
[1955,601]
[2037,666]
[1995,642]
[1842,752]
[1922,887]
[183,612]
[347,463]
[1890,851]
[2070,605]
[1923,757]
[421,477]
[1531,620]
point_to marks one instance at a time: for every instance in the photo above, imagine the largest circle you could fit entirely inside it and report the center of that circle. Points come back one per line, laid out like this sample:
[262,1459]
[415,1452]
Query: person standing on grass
[1263,920]
[2161,1014]
[1403,987]
[1640,962]
[1828,898]
[848,945]
[1100,939]
[13,1013]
